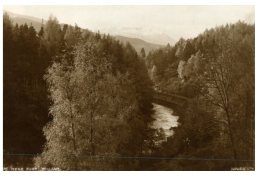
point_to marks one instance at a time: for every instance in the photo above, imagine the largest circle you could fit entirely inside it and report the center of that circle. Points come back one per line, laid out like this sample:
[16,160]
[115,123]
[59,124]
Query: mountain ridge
[137,43]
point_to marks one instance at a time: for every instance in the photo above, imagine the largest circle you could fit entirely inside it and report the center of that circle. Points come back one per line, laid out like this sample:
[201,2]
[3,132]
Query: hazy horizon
[156,24]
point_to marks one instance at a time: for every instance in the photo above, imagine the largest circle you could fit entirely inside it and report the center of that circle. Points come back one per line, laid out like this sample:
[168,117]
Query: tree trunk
[92,153]
[231,134]
[73,138]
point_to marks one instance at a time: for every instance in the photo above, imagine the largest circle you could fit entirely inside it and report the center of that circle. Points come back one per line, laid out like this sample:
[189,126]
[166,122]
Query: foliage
[100,96]
[215,69]
[118,94]
[25,94]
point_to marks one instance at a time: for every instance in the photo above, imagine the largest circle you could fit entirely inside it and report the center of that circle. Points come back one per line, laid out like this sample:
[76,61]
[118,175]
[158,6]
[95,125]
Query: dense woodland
[216,71]
[78,100]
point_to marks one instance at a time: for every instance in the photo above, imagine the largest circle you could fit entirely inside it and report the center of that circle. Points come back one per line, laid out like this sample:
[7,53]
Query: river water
[164,119]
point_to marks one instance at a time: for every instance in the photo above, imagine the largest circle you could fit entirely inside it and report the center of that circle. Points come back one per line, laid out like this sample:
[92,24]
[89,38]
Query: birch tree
[90,107]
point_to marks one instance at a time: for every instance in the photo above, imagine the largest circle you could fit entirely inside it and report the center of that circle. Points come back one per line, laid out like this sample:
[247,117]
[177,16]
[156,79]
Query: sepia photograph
[128,87]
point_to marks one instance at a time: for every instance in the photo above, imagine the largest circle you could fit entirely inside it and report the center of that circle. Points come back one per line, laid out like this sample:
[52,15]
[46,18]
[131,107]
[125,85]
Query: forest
[79,100]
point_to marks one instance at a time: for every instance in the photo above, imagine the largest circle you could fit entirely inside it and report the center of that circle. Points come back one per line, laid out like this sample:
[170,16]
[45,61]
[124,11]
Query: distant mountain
[22,19]
[160,38]
[138,44]
[150,35]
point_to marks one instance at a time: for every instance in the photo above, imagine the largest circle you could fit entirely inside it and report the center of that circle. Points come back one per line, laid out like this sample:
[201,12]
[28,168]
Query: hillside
[138,44]
[22,19]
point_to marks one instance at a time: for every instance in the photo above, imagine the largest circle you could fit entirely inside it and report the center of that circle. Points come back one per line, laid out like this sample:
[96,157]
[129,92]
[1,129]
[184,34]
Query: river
[164,119]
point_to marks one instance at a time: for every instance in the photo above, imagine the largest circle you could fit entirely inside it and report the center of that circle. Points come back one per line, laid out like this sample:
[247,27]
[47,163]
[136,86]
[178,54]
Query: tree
[72,35]
[100,93]
[90,106]
[219,82]
[184,49]
[53,35]
[41,32]
[25,98]
[154,73]
[217,90]
[143,55]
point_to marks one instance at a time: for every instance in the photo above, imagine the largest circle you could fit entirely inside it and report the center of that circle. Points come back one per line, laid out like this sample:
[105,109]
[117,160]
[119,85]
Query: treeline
[216,70]
[25,59]
[78,99]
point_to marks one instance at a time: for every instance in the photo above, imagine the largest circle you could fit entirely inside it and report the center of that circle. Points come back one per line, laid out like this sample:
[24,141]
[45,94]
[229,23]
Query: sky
[153,23]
